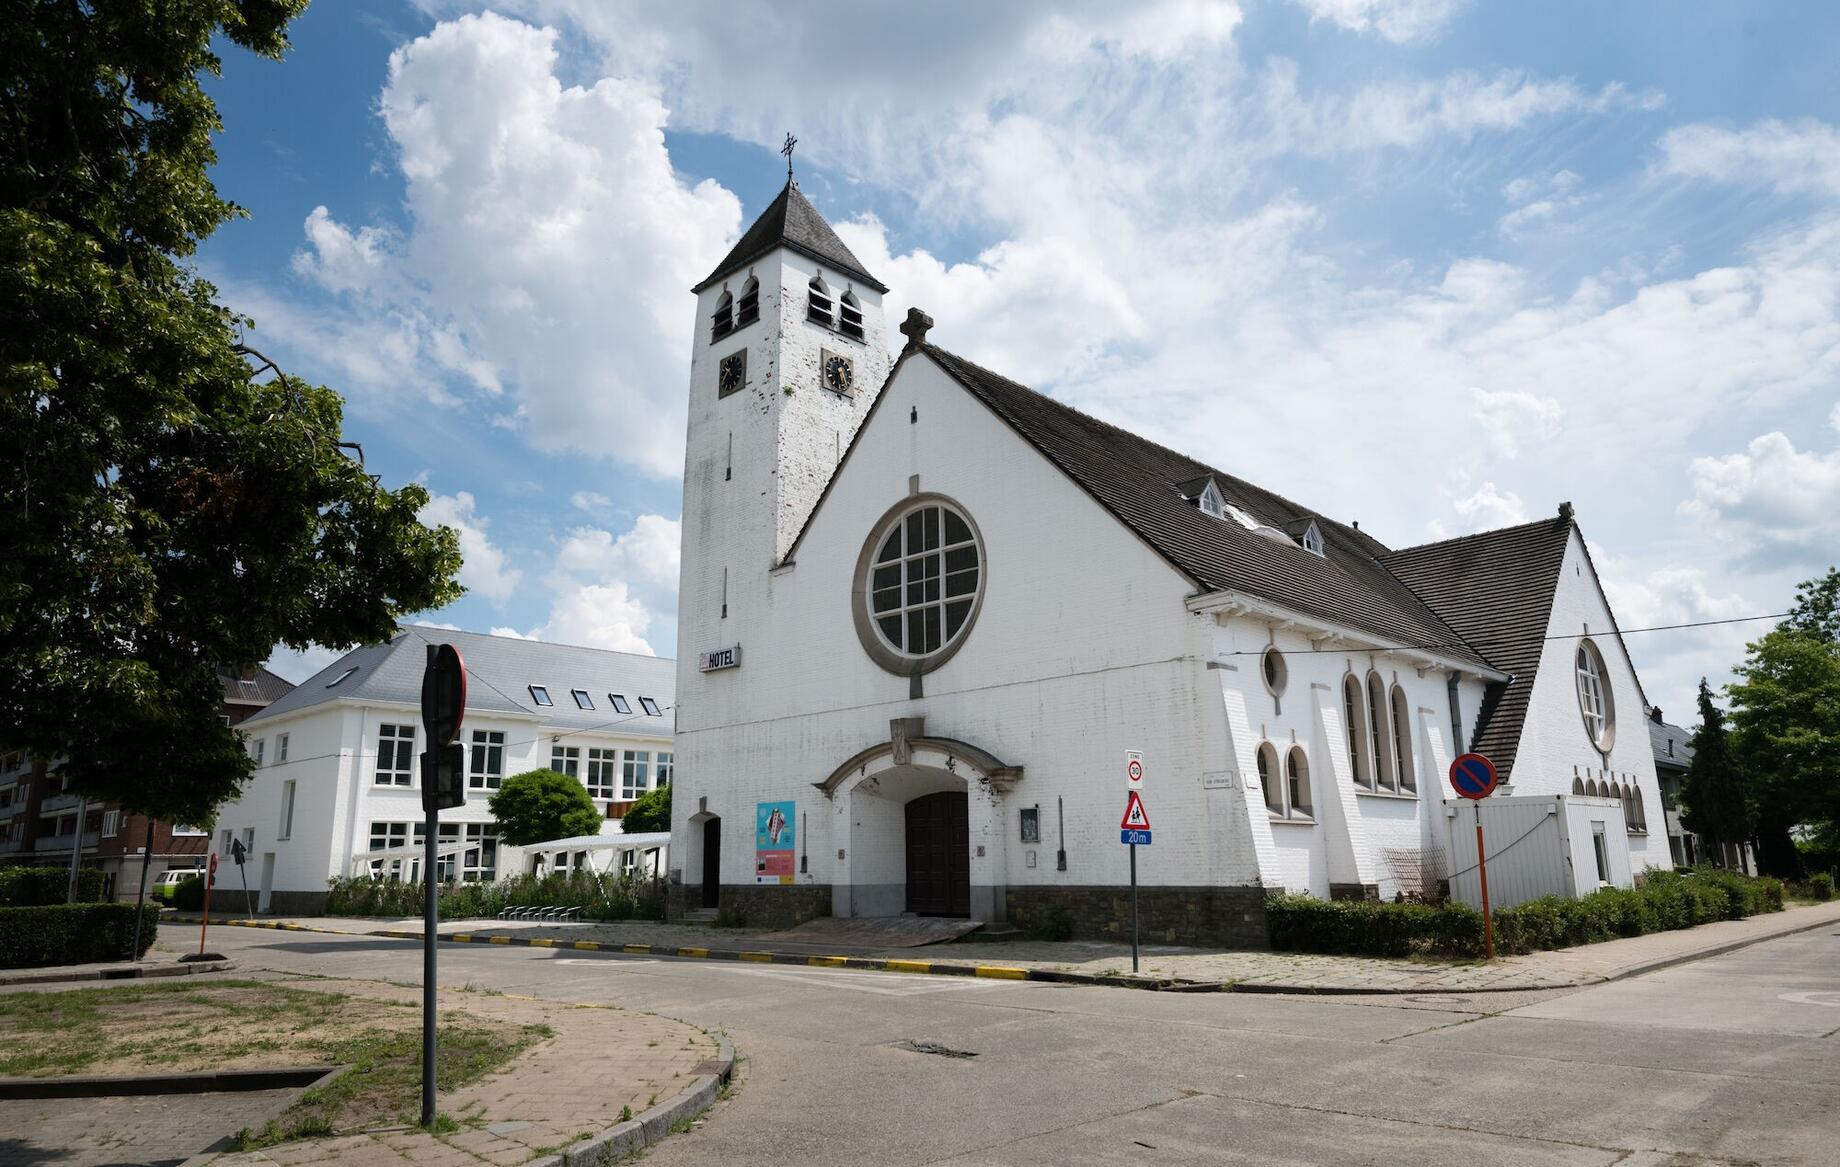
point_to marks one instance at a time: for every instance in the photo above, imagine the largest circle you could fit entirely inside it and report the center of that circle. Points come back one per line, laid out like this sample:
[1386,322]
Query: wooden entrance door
[712,863]
[938,855]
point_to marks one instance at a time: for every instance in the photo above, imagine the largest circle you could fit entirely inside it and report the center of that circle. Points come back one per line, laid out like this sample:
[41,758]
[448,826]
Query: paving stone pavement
[571,1086]
[106,1132]
[1273,971]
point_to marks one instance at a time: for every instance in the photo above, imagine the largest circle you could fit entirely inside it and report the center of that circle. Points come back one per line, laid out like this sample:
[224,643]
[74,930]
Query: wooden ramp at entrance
[832,933]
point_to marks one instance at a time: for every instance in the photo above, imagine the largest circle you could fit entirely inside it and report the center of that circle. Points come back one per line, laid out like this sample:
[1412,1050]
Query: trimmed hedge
[28,887]
[1665,901]
[73,934]
[188,895]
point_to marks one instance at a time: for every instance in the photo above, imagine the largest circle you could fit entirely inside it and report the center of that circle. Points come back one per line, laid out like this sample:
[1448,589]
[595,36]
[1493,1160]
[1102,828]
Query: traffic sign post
[240,853]
[443,785]
[204,924]
[1473,777]
[1134,830]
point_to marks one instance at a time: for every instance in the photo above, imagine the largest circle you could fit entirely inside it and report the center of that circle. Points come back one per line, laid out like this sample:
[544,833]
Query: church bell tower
[787,355]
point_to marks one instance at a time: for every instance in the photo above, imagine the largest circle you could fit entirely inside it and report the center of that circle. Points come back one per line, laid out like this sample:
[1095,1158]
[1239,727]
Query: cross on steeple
[787,151]
[915,326]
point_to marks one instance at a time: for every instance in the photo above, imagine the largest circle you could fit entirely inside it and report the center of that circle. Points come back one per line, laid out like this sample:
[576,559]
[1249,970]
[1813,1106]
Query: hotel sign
[721,658]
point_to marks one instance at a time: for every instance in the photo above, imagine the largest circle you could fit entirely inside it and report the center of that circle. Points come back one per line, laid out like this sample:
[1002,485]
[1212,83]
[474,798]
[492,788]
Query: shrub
[649,812]
[1300,923]
[600,897]
[1055,924]
[26,887]
[1821,886]
[539,805]
[73,934]
[188,896]
[1744,896]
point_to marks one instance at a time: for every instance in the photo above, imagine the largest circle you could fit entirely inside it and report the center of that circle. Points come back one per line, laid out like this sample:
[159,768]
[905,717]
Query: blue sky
[1432,265]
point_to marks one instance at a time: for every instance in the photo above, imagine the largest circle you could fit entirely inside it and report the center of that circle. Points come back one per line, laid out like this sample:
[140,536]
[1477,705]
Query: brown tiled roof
[1141,484]
[1496,590]
[257,687]
[791,221]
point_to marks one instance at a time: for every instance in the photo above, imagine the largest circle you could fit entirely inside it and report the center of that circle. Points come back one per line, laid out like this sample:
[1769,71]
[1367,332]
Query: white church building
[926,611]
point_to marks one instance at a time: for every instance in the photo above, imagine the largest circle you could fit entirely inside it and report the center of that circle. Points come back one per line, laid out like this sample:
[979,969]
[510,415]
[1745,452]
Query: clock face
[839,373]
[733,373]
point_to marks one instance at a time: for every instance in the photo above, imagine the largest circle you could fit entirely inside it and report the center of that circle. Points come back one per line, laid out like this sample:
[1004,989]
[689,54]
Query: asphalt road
[1728,1060]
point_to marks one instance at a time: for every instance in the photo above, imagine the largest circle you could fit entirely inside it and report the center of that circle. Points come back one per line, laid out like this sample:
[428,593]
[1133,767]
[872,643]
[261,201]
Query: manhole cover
[933,1047]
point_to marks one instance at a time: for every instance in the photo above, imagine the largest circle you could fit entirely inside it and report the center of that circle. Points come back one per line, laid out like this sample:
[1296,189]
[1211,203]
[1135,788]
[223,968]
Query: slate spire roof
[1496,589]
[791,221]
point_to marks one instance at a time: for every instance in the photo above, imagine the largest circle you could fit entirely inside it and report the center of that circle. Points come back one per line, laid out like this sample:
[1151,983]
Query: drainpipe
[1456,716]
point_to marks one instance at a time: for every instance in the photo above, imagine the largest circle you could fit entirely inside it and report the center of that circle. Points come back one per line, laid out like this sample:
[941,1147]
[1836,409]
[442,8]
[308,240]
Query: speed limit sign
[1134,769]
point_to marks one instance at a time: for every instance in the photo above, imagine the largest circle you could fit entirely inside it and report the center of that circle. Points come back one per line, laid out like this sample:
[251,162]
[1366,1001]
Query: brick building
[39,814]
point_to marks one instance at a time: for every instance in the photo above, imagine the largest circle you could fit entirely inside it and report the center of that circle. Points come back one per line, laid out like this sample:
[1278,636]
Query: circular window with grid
[919,584]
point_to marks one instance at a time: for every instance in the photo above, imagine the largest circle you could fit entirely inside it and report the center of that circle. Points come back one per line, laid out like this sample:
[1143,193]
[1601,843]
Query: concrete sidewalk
[1161,967]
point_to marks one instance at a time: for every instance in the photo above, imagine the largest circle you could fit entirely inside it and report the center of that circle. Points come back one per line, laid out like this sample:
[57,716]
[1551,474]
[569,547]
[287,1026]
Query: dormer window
[818,302]
[342,676]
[849,321]
[1312,540]
[540,695]
[723,322]
[1211,503]
[619,703]
[747,309]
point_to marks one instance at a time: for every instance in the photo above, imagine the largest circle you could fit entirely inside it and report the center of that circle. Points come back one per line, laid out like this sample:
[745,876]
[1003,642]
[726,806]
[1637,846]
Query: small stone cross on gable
[915,326]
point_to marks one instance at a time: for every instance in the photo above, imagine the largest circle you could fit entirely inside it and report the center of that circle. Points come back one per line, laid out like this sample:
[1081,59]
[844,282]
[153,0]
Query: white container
[1564,844]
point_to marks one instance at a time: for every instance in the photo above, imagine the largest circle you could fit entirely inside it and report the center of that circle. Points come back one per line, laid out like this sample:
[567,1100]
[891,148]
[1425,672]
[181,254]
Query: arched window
[1353,708]
[1594,700]
[723,322]
[1268,780]
[747,308]
[1578,786]
[1297,782]
[818,302]
[1378,731]
[1641,811]
[849,316]
[1627,795]
[1403,766]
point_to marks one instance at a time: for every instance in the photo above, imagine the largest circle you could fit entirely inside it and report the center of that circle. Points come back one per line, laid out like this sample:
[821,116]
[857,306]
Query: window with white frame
[603,771]
[661,771]
[257,748]
[1594,701]
[566,760]
[747,308]
[281,748]
[723,321]
[1403,764]
[1379,731]
[284,830]
[1353,707]
[923,582]
[1297,784]
[818,302]
[1269,781]
[849,316]
[582,700]
[650,707]
[486,767]
[635,774]
[1313,540]
[619,703]
[111,823]
[540,694]
[395,754]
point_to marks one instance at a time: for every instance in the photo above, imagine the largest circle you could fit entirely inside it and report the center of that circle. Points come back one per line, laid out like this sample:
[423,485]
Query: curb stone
[653,1125]
[133,972]
[1050,976]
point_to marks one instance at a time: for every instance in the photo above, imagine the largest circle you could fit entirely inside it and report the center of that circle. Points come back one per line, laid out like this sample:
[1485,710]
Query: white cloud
[298,665]
[648,552]
[589,500]
[1399,21]
[1510,417]
[548,243]
[1776,501]
[609,591]
[1671,662]
[484,568]
[1799,158]
[1486,509]
[1540,202]
[599,616]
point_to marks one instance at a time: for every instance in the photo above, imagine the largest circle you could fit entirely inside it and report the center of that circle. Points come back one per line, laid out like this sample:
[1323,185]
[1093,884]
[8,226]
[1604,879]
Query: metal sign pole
[1482,873]
[430,919]
[140,897]
[210,877]
[1133,907]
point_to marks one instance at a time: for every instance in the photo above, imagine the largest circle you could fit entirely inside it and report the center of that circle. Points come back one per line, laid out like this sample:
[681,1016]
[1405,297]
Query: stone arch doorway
[919,822]
[938,855]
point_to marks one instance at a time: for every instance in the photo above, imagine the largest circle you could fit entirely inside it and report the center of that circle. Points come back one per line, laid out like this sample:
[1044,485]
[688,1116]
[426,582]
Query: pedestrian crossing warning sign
[1135,817]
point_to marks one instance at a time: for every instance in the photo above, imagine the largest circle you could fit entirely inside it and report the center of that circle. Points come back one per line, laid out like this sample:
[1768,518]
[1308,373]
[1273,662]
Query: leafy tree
[649,812]
[1786,724]
[173,500]
[539,805]
[1716,791]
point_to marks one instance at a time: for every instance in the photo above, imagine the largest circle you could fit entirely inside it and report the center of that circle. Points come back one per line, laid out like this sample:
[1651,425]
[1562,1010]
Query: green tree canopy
[649,812]
[1715,795]
[173,501]
[1785,713]
[539,805]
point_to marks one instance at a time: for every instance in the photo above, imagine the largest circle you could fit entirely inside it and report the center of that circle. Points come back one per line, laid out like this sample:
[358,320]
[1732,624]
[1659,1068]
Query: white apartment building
[338,778]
